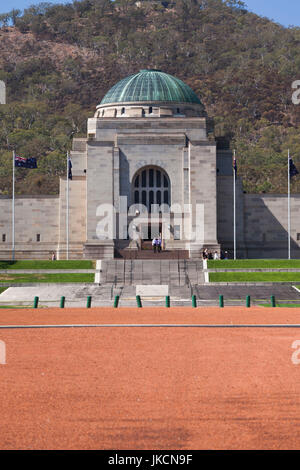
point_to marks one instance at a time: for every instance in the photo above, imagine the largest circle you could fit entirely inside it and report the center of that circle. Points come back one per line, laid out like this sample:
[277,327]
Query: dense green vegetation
[254,277]
[44,264]
[2,289]
[37,278]
[253,264]
[59,60]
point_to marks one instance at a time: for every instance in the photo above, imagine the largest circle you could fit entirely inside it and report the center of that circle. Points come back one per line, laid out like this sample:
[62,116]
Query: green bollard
[62,302]
[194,301]
[138,301]
[36,302]
[168,301]
[89,302]
[116,302]
[221,301]
[273,301]
[248,301]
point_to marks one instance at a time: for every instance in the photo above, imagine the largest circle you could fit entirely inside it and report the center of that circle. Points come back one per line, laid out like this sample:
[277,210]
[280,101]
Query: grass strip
[16,306]
[254,277]
[51,278]
[281,305]
[46,264]
[253,263]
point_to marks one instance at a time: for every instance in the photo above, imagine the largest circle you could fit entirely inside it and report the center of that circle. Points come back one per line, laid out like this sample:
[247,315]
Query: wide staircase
[149,255]
[146,252]
[132,272]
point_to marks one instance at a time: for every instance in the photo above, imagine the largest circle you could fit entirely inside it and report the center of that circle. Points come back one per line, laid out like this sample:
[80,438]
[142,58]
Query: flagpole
[67,215]
[289,207]
[234,208]
[13,209]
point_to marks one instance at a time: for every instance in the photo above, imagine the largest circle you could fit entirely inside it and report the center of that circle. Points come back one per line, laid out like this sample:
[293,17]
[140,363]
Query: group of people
[208,255]
[156,244]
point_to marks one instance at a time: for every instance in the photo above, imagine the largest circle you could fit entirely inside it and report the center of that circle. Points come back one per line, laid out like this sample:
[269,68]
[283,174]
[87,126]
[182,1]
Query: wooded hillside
[59,60]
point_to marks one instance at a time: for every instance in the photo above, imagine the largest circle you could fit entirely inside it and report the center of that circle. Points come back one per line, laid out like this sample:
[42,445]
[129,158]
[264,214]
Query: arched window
[151,185]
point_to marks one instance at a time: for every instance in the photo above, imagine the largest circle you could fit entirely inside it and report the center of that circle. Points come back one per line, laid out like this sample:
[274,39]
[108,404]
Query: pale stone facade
[148,153]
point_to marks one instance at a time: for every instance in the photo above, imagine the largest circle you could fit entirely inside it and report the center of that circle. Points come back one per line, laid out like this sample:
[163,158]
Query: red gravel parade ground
[150,387]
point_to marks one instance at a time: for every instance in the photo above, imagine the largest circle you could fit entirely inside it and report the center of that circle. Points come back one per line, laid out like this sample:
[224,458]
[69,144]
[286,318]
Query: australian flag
[70,176]
[25,162]
[293,169]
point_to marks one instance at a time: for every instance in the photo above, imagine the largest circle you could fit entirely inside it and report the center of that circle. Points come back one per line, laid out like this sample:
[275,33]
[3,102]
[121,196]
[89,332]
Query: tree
[14,14]
[4,20]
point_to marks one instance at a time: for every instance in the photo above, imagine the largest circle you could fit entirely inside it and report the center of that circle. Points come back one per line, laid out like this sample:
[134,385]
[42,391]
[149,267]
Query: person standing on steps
[154,244]
[159,244]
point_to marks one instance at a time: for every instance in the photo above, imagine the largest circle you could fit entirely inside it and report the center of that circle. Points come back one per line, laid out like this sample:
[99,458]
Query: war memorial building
[149,166]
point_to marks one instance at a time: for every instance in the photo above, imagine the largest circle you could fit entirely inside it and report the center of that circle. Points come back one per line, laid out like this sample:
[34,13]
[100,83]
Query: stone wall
[44,218]
[203,191]
[266,225]
[34,216]
[77,218]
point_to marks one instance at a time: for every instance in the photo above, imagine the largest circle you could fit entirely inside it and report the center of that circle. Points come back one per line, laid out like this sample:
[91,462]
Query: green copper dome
[150,85]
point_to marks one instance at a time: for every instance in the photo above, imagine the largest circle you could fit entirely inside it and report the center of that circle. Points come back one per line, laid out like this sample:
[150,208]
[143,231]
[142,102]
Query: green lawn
[46,264]
[29,278]
[282,305]
[2,289]
[253,263]
[254,277]
[15,306]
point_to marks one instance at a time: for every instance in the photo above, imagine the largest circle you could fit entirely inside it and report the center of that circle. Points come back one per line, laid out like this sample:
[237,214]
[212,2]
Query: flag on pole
[20,161]
[293,169]
[25,162]
[70,176]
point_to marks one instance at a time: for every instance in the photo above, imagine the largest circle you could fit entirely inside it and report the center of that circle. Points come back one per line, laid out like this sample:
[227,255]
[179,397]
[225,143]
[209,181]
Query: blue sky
[21,4]
[285,12]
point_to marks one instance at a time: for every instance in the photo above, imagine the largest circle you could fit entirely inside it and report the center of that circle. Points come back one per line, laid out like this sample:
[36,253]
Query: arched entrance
[151,187]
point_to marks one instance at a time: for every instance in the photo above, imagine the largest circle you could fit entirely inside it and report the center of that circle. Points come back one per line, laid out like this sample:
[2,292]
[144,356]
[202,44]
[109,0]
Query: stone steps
[149,254]
[123,272]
